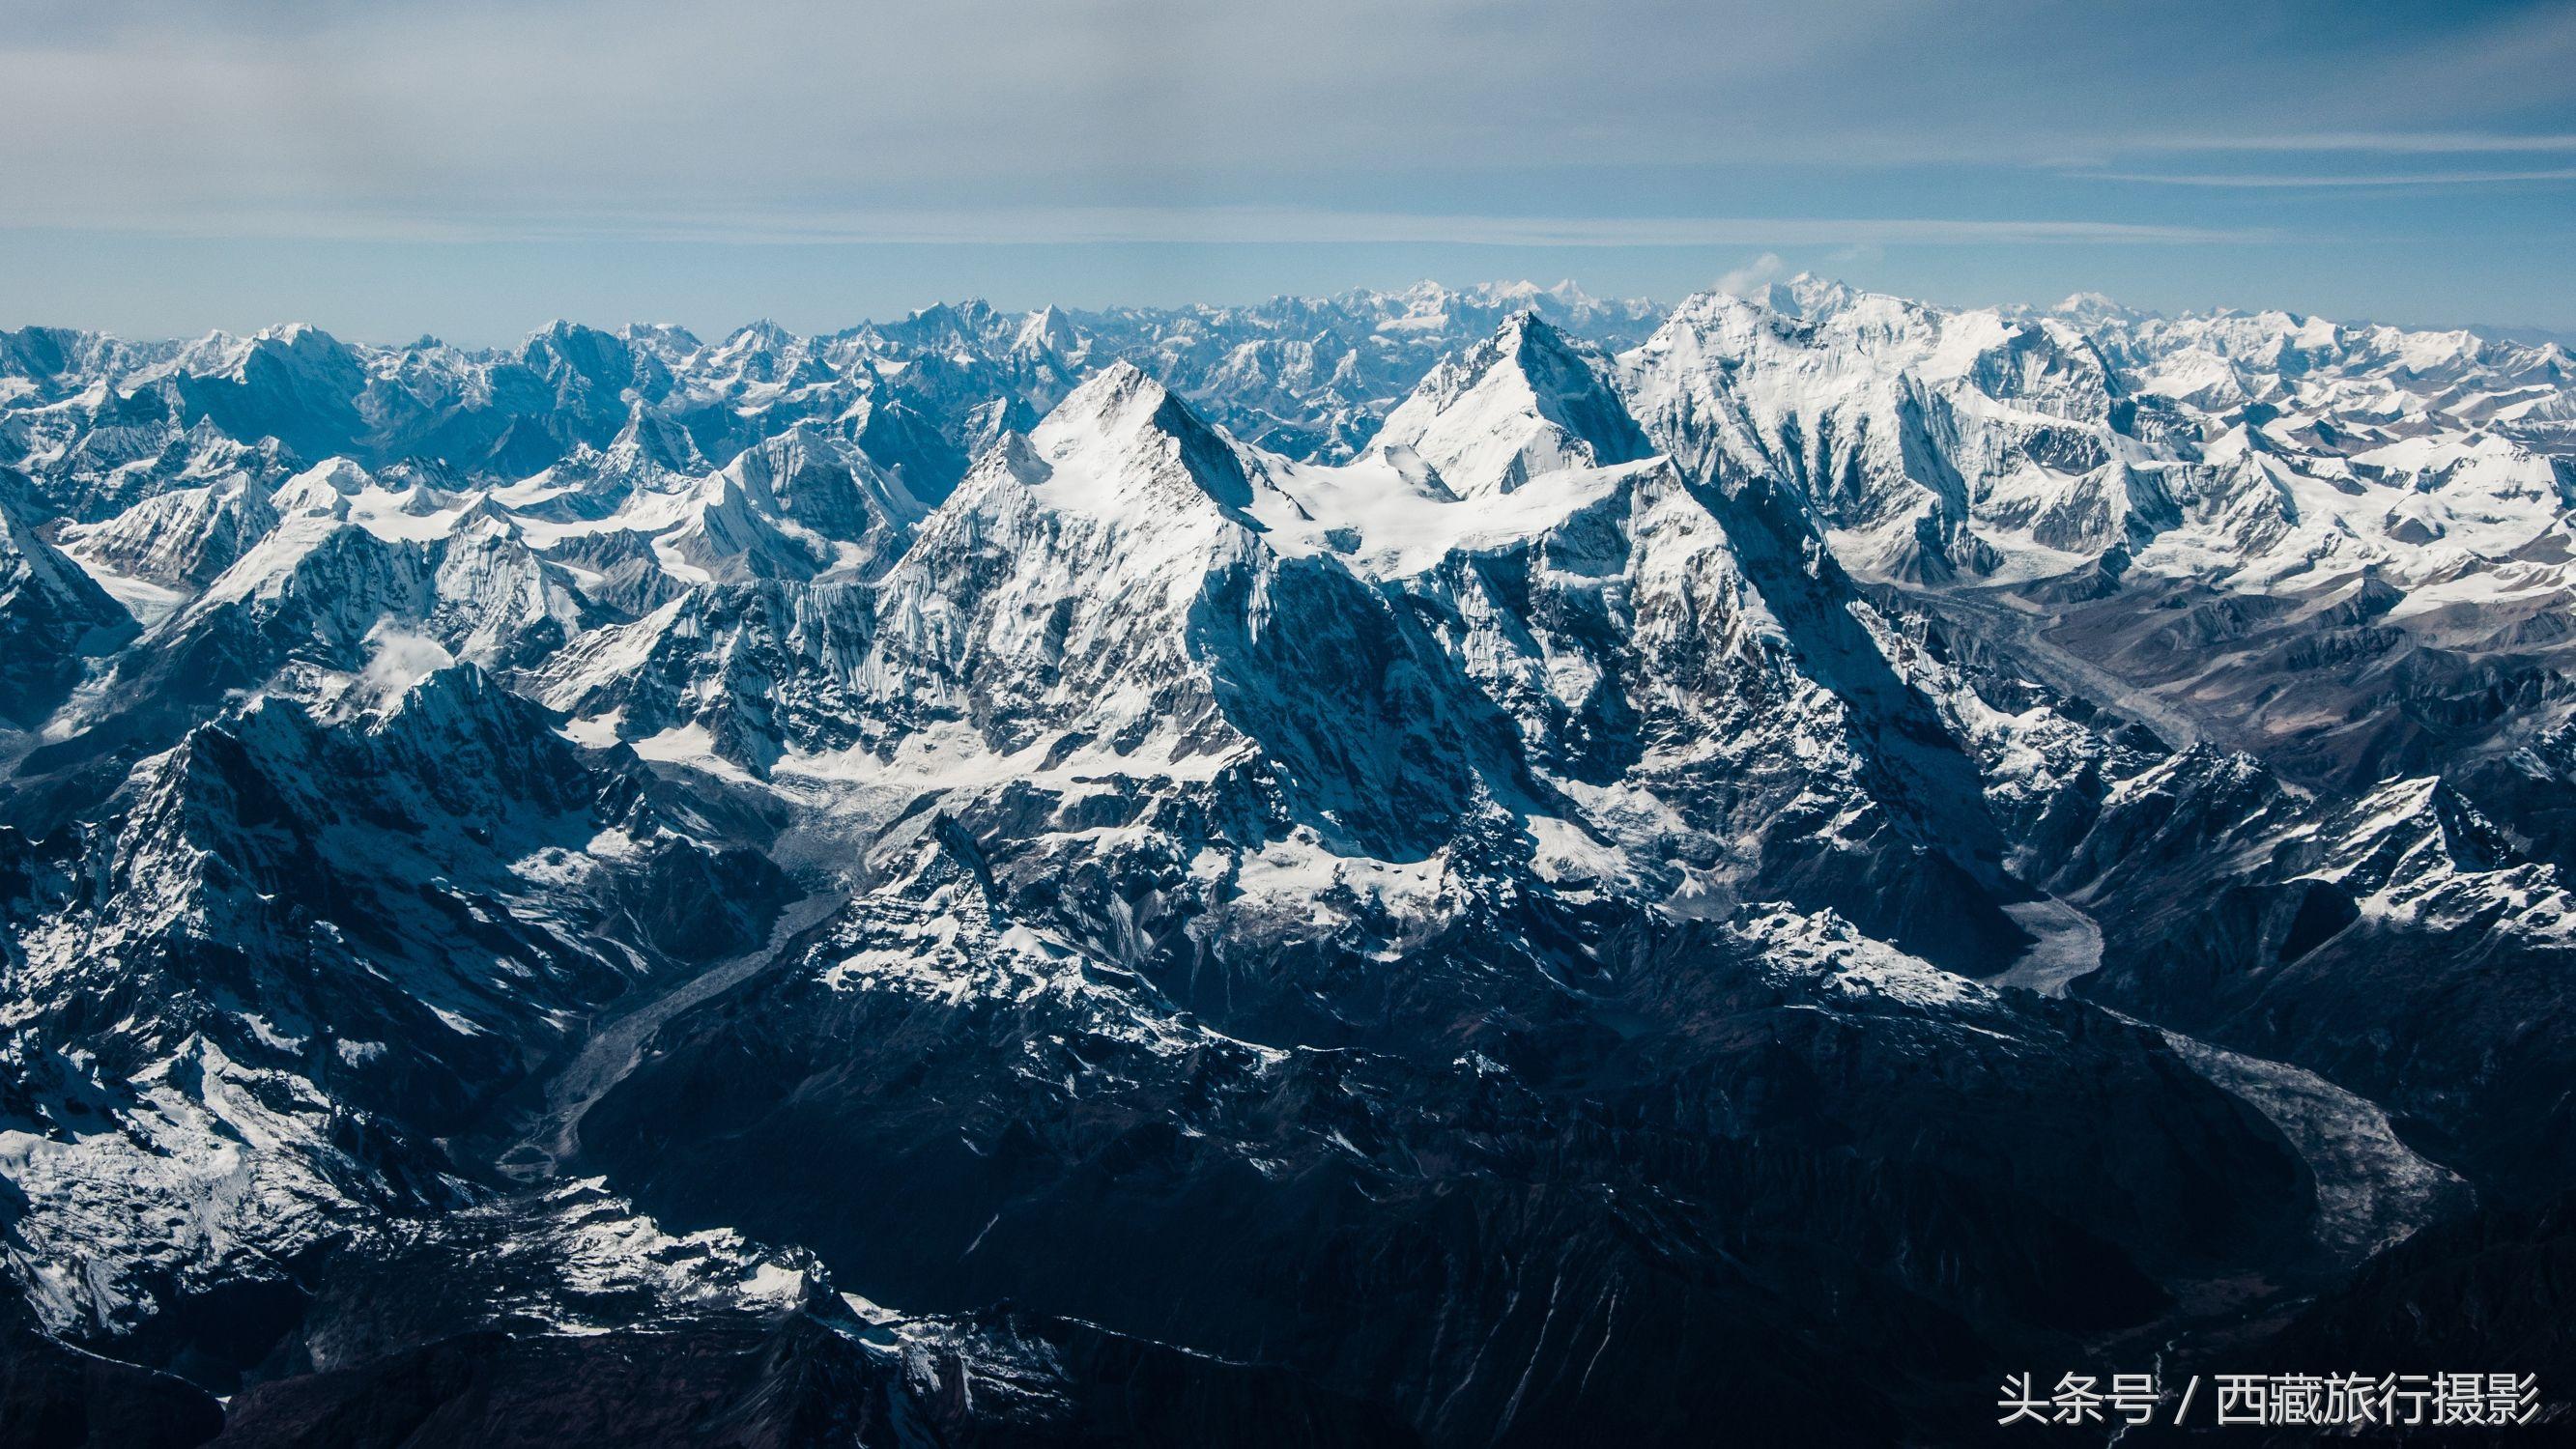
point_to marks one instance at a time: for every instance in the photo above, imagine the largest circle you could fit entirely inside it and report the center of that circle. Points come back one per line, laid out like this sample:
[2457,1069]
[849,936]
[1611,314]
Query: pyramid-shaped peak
[1525,401]
[1046,330]
[462,732]
[1117,391]
[653,439]
[1526,332]
[426,688]
[1122,420]
[485,515]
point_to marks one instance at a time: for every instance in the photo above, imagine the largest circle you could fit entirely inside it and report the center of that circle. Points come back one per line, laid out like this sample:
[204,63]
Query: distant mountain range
[1441,867]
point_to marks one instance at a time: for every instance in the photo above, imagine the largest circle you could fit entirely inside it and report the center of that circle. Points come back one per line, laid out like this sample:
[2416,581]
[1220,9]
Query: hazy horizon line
[1738,281]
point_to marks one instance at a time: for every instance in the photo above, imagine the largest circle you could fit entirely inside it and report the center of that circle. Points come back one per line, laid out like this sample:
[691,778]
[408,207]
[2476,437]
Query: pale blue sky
[472,168]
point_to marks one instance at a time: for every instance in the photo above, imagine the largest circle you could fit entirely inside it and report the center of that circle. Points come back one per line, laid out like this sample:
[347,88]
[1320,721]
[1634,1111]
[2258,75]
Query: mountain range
[1441,867]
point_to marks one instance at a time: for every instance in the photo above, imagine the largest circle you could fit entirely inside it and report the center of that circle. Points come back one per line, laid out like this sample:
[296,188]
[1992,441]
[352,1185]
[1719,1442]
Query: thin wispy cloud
[2265,181]
[2393,143]
[1215,225]
[1759,272]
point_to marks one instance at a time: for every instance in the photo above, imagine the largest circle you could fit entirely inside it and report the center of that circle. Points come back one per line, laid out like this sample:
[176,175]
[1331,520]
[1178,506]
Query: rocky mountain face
[1429,868]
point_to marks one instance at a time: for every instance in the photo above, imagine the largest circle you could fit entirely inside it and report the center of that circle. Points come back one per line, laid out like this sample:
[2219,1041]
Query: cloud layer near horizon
[1498,123]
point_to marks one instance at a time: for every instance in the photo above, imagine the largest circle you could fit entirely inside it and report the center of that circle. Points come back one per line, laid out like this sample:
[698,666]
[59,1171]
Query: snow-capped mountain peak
[1122,428]
[1525,401]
